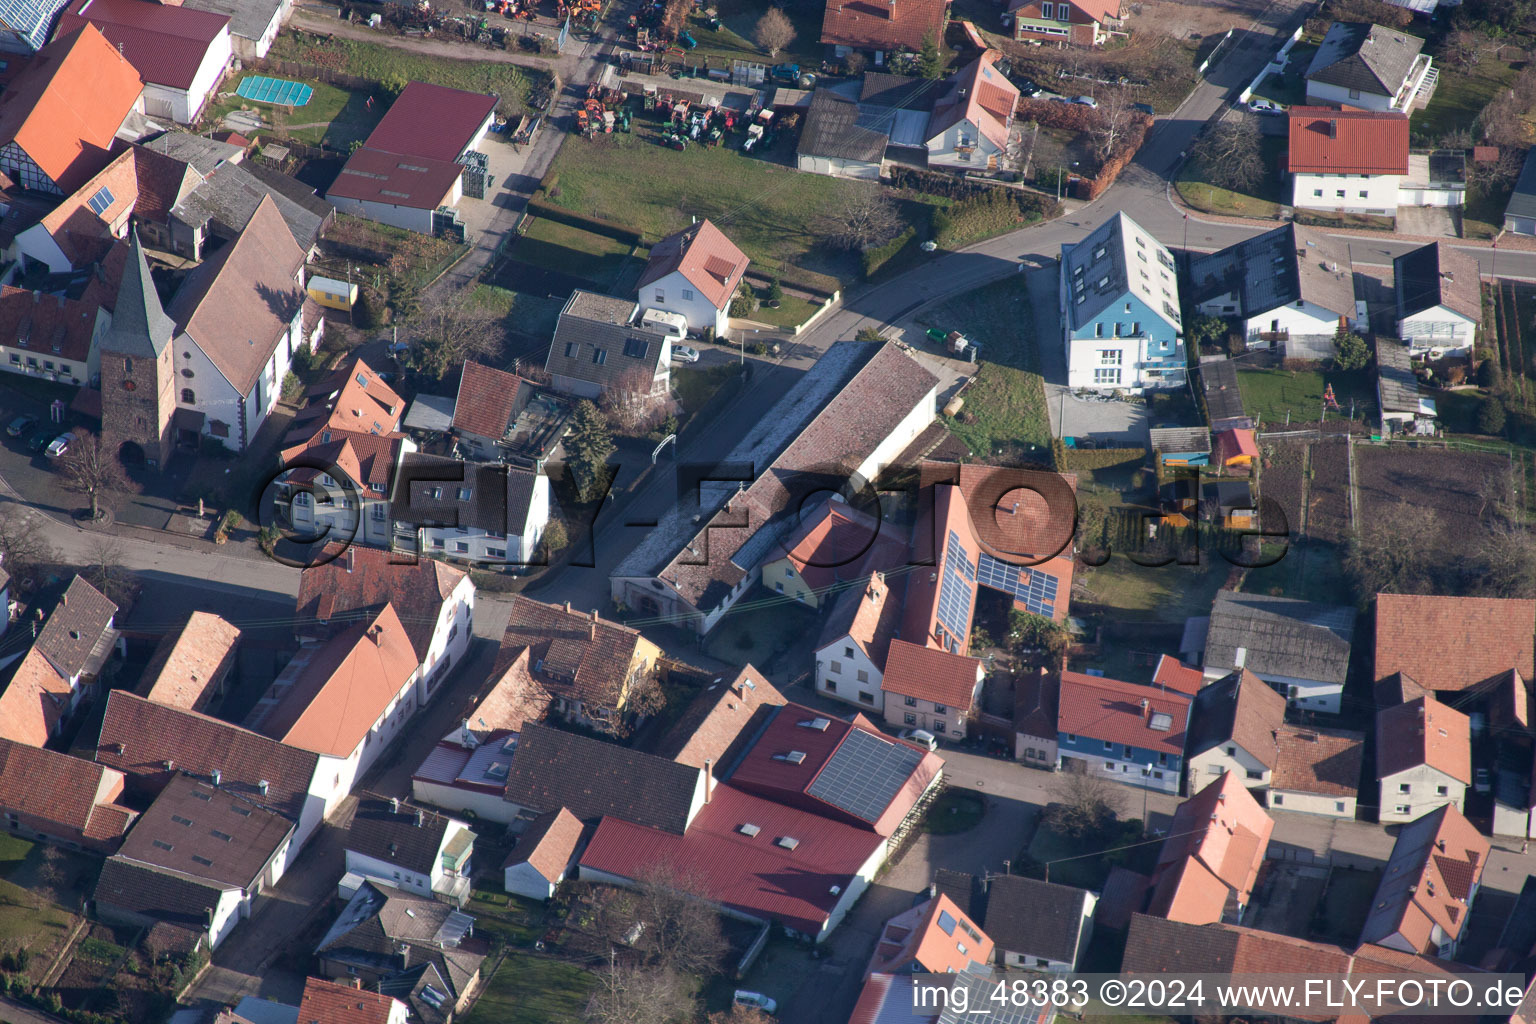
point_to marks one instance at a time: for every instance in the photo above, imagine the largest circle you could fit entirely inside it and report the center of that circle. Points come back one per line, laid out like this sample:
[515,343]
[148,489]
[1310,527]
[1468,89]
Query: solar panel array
[31,19]
[985,1001]
[1037,590]
[955,591]
[864,774]
[100,201]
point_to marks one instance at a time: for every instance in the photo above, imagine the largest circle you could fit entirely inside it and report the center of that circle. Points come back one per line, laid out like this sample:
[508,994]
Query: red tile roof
[487,401]
[753,874]
[926,673]
[1428,880]
[1214,850]
[1108,709]
[704,256]
[51,326]
[166,43]
[1236,444]
[929,938]
[1424,732]
[74,794]
[1454,643]
[141,181]
[720,720]
[836,541]
[65,108]
[359,582]
[980,94]
[190,660]
[327,1002]
[1329,141]
[548,844]
[377,176]
[1175,675]
[515,697]
[1321,761]
[34,702]
[888,26]
[431,121]
[575,655]
[870,616]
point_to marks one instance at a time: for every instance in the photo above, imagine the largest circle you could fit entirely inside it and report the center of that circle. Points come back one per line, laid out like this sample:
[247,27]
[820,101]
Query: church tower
[138,372]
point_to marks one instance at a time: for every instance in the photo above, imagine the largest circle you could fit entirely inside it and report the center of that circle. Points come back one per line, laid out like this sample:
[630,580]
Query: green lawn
[733,40]
[535,314]
[792,312]
[26,920]
[1314,572]
[378,62]
[1004,409]
[1168,593]
[695,385]
[1459,98]
[1483,216]
[532,990]
[1269,394]
[956,810]
[333,116]
[1265,202]
[560,247]
[773,212]
[518,921]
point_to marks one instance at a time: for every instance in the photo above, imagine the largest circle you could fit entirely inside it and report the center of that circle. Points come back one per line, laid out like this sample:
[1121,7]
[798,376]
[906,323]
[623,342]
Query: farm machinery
[603,112]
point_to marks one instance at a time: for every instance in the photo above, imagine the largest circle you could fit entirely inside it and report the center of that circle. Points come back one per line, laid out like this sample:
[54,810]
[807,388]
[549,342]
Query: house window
[436,544]
[941,709]
[1354,94]
[1048,10]
[1110,356]
[465,493]
[599,356]
[1442,791]
[434,492]
[779,587]
[571,349]
[863,676]
[1404,809]
[911,702]
[1106,376]
[847,652]
[1214,769]
[15,358]
[1256,775]
[1338,805]
[1403,787]
[831,685]
[378,512]
[1135,327]
[837,668]
[188,397]
[661,296]
[866,697]
[1317,193]
[910,719]
[127,365]
[1108,745]
[1364,193]
[1339,194]
[1098,330]
[1278,799]
[938,726]
[495,552]
[1231,751]
[1071,737]
[687,294]
[1157,775]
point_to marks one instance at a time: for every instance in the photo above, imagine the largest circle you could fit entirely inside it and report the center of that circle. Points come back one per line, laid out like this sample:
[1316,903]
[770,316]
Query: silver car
[684,354]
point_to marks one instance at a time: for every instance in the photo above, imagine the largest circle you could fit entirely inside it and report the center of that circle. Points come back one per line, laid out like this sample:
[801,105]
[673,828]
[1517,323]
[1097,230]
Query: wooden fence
[315,72]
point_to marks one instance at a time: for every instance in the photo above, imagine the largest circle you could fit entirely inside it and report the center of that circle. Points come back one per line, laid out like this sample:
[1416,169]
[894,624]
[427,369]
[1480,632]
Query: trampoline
[274,90]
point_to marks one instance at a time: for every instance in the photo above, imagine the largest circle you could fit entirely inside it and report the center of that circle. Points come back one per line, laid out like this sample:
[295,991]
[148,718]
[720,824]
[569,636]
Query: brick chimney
[709,779]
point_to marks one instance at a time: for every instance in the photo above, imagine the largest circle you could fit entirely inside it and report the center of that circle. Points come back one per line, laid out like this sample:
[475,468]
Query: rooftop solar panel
[864,774]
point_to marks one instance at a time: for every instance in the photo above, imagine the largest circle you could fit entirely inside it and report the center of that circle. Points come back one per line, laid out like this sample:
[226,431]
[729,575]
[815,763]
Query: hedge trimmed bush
[560,215]
[1000,210]
[878,256]
[1103,458]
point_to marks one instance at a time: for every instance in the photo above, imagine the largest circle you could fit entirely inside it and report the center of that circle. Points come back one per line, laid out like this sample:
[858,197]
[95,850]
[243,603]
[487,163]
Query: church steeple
[140,326]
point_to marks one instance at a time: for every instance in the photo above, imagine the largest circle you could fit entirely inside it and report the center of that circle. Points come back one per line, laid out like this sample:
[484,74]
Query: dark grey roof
[1280,637]
[288,185]
[410,987]
[391,932]
[78,635]
[1522,201]
[158,893]
[1223,400]
[498,498]
[1179,439]
[1397,387]
[595,342]
[831,130]
[390,833]
[1435,275]
[1365,57]
[1275,269]
[962,887]
[140,326]
[432,413]
[229,195]
[901,91]
[204,154]
[247,18]
[1026,915]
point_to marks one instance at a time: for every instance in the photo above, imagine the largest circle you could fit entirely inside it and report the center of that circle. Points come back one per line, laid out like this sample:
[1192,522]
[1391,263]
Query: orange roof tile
[704,256]
[1424,732]
[887,25]
[1321,761]
[1329,141]
[930,938]
[34,702]
[190,660]
[1428,880]
[327,1002]
[548,844]
[1175,675]
[1214,850]
[927,673]
[1454,643]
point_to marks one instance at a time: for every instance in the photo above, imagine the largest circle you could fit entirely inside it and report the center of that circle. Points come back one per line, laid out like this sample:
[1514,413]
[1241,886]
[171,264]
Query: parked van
[673,325]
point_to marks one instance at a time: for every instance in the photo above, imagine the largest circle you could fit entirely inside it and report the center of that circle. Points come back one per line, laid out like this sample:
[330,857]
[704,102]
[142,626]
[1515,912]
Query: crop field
[1446,481]
[1327,514]
[1282,481]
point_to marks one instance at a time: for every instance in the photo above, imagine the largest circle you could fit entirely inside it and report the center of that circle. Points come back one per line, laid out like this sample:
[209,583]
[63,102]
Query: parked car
[40,439]
[1087,101]
[20,425]
[60,446]
[1059,99]
[1144,108]
[756,1000]
[684,354]
[1026,86]
[1266,107]
[1481,782]
[922,737]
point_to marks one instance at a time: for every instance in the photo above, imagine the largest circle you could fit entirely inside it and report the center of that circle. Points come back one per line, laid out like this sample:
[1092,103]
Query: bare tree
[92,469]
[450,329]
[1231,155]
[1396,551]
[1509,557]
[1116,119]
[50,873]
[774,31]
[633,994]
[1463,49]
[632,405]
[740,1015]
[24,545]
[869,217]
[1087,802]
[682,928]
[105,571]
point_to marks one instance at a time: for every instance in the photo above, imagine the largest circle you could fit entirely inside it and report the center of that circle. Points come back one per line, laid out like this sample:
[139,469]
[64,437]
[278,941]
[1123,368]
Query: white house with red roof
[970,124]
[1122,731]
[695,273]
[926,688]
[1078,22]
[180,53]
[1347,161]
[410,167]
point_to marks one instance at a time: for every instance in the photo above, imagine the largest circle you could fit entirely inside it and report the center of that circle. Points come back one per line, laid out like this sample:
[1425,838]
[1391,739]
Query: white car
[922,737]
[684,354]
[1266,107]
[756,1000]
[60,445]
[1087,101]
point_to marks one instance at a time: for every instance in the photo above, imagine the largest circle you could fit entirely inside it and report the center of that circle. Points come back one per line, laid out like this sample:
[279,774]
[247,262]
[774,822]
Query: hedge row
[560,215]
[935,183]
[818,285]
[1103,458]
[1075,117]
[1000,210]
[878,256]
[1130,142]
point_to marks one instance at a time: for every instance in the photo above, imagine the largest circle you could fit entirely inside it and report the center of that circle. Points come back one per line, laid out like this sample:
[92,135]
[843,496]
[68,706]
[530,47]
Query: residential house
[198,834]
[1317,771]
[833,544]
[1299,647]
[77,807]
[1037,925]
[855,639]
[1072,22]
[1173,674]
[385,936]
[1439,301]
[1232,727]
[1450,644]
[191,664]
[1400,400]
[934,937]
[1236,448]
[1347,161]
[329,1002]
[1429,885]
[152,744]
[1369,67]
[180,912]
[883,28]
[1180,446]
[478,512]
[971,121]
[411,848]
[64,667]
[1119,295]
[834,142]
[253,24]
[599,346]
[543,855]
[1036,703]
[1209,864]
[718,724]
[471,779]
[1293,285]
[931,689]
[180,53]
[340,458]
[590,666]
[50,336]
[694,273]
[486,407]
[1122,731]
[1423,758]
[848,416]
[28,25]
[1520,211]
[435,602]
[409,172]
[61,114]
[346,698]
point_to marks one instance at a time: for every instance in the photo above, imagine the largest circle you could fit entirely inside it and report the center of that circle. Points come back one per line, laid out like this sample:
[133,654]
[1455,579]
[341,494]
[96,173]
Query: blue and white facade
[1120,310]
[1132,765]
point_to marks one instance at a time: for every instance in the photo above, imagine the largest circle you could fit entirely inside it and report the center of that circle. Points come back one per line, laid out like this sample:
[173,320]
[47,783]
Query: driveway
[1434,221]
